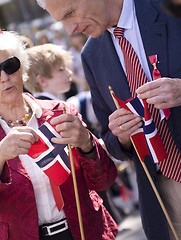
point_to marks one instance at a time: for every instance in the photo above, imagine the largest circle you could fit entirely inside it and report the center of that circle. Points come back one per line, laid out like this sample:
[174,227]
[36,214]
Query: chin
[97,34]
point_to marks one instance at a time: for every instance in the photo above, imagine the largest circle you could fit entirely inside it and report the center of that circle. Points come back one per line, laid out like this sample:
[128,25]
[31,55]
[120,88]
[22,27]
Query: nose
[69,72]
[4,76]
[70,28]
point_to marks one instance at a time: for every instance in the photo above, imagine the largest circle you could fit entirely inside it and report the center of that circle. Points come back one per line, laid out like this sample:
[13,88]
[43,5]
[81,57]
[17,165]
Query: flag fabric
[146,139]
[52,158]
[57,195]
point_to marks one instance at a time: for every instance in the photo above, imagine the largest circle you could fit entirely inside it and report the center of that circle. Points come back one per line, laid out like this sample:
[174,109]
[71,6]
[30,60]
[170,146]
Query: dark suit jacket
[18,212]
[161,35]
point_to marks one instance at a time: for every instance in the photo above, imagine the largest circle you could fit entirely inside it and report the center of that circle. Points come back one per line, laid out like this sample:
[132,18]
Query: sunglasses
[11,65]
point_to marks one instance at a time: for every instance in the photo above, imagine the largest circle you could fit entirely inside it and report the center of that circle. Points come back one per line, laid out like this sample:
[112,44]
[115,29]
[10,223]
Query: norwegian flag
[146,139]
[52,158]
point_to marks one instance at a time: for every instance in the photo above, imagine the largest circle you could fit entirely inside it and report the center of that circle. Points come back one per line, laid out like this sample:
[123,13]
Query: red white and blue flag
[146,139]
[52,158]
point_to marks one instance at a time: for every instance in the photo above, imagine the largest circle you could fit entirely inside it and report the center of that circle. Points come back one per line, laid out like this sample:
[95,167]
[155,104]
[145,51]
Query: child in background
[48,75]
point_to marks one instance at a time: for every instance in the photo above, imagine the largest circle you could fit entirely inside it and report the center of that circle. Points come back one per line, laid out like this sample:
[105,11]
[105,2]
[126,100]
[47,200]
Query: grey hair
[12,43]
[41,3]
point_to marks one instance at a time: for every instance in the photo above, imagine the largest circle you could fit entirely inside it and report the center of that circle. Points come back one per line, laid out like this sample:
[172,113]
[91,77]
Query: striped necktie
[170,167]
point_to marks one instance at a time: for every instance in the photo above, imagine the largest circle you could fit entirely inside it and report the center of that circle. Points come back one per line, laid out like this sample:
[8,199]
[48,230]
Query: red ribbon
[156,75]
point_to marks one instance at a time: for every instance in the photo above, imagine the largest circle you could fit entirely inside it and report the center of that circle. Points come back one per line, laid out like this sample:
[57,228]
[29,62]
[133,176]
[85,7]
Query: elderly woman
[29,207]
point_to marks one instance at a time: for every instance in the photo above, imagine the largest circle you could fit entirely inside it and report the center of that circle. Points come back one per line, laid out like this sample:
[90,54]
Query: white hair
[12,43]
[41,3]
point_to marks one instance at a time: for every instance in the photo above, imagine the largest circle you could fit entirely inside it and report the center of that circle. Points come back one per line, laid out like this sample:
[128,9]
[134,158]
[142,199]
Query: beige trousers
[170,192]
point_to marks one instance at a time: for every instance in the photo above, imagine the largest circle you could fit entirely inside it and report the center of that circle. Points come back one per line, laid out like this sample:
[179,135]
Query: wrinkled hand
[123,123]
[17,141]
[72,132]
[163,92]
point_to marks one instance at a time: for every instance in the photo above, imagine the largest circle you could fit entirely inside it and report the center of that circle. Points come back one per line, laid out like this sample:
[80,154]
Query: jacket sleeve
[103,108]
[99,174]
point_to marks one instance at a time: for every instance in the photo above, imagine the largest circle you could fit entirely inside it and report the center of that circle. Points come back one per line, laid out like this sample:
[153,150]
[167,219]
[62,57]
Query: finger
[149,86]
[24,144]
[121,116]
[62,118]
[64,127]
[28,137]
[27,131]
[22,151]
[120,121]
[60,140]
[129,124]
[120,112]
[131,127]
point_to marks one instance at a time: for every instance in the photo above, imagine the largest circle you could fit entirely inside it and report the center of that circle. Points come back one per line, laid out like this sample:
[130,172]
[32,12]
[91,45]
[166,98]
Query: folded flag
[146,139]
[156,75]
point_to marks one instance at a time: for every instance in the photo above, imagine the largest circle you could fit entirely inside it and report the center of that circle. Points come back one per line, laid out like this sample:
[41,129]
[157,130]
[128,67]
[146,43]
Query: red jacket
[18,212]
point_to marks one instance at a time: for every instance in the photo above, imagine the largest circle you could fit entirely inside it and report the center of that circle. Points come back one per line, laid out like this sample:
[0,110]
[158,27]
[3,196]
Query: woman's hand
[17,141]
[123,123]
[72,132]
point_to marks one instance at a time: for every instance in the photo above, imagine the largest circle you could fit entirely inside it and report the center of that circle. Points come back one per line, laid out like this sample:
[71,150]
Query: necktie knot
[119,32]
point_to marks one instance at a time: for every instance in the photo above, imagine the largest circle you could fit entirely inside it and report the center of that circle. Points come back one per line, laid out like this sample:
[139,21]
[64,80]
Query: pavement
[130,227]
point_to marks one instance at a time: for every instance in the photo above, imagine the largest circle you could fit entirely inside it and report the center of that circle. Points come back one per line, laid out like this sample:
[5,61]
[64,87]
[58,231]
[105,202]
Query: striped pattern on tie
[170,167]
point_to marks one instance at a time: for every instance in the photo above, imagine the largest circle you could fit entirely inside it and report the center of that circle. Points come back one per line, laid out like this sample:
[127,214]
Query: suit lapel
[115,75]
[153,33]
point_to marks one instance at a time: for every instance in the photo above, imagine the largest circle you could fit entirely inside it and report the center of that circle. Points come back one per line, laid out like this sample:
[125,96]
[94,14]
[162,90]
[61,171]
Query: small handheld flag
[52,158]
[137,149]
[146,139]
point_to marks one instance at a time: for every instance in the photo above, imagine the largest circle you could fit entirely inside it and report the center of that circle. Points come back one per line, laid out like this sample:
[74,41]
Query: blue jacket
[161,35]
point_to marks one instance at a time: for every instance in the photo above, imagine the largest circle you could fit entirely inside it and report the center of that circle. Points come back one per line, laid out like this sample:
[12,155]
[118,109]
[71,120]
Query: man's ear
[42,81]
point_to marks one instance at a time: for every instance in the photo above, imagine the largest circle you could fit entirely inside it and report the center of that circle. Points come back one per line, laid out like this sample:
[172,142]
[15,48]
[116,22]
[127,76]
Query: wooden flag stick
[149,178]
[157,194]
[75,189]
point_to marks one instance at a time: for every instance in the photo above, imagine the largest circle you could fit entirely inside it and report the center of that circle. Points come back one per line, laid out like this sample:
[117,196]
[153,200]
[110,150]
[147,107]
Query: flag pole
[149,177]
[75,189]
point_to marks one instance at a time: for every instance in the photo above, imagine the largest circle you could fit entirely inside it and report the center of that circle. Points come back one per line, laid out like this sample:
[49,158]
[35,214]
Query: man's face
[87,16]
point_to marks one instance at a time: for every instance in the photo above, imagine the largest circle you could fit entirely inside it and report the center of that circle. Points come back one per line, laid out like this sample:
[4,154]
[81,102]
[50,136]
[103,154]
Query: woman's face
[11,85]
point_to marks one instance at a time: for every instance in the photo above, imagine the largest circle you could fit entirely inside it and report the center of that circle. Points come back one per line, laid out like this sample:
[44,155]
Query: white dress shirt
[128,21]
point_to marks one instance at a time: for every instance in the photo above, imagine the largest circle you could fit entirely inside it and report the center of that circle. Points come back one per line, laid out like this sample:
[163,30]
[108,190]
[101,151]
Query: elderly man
[113,25]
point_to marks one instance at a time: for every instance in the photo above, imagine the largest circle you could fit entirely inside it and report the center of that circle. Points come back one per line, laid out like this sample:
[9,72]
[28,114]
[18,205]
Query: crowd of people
[55,95]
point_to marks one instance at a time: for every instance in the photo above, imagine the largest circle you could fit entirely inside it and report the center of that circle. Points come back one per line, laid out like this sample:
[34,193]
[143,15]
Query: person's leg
[170,192]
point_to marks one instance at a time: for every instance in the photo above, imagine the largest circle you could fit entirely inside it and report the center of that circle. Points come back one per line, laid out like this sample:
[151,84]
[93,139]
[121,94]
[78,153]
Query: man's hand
[123,123]
[163,92]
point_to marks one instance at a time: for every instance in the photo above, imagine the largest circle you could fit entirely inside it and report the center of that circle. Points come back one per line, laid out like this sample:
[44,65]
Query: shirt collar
[34,106]
[127,16]
[45,94]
